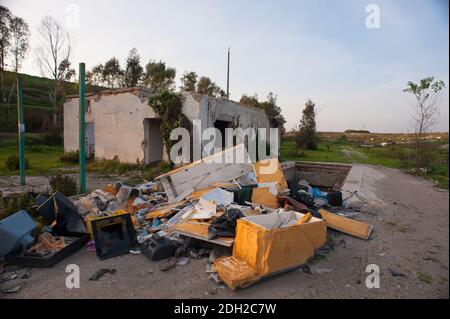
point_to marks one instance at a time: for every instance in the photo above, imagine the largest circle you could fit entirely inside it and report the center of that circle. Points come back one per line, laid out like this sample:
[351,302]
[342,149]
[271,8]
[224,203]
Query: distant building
[121,124]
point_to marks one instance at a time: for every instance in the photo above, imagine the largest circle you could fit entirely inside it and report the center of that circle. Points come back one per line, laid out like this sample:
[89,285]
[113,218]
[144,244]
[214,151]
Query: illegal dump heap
[198,210]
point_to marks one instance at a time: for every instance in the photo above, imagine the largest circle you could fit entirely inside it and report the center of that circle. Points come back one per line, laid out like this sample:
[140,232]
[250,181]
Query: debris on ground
[395,273]
[247,221]
[100,273]
[13,278]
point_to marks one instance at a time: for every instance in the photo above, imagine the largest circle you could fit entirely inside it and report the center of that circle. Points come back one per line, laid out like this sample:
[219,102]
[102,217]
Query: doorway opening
[154,144]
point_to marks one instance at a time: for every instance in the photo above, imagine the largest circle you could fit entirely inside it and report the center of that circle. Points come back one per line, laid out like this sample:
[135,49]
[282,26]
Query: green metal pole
[82,139]
[21,129]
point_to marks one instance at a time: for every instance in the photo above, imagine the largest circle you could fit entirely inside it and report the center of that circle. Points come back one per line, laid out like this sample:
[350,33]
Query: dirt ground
[40,183]
[411,237]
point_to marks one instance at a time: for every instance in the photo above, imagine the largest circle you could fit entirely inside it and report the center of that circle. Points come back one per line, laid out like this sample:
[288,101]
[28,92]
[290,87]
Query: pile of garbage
[246,218]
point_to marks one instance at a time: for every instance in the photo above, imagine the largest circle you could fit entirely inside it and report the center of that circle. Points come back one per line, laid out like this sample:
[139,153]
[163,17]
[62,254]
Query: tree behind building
[307,135]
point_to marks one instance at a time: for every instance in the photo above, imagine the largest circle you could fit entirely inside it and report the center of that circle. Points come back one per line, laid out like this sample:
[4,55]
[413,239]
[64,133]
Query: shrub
[11,205]
[115,166]
[70,157]
[64,184]
[52,138]
[307,137]
[12,162]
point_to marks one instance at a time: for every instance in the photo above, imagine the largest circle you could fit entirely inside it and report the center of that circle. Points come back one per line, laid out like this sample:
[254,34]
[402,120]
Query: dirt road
[410,245]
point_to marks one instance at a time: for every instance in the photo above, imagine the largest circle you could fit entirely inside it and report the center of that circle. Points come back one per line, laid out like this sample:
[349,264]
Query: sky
[317,49]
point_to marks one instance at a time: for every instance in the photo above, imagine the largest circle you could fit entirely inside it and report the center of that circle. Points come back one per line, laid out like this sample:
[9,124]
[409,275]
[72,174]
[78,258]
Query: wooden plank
[346,225]
[200,231]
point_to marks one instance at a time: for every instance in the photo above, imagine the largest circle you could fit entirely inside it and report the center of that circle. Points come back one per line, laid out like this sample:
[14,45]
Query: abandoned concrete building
[121,124]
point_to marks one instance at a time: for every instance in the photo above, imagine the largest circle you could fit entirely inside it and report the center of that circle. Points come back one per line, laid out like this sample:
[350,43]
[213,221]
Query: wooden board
[346,225]
[200,231]
[263,196]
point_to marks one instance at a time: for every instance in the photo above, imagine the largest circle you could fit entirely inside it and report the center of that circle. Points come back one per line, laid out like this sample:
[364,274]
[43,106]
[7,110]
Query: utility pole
[228,75]
[21,129]
[82,141]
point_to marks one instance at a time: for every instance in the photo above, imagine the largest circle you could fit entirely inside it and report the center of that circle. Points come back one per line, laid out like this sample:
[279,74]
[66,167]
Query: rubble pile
[248,221]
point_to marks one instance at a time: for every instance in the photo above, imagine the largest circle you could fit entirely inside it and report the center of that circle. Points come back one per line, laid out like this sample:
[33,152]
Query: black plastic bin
[75,242]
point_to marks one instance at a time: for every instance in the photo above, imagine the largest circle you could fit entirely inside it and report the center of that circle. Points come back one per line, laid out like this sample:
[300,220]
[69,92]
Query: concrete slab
[360,184]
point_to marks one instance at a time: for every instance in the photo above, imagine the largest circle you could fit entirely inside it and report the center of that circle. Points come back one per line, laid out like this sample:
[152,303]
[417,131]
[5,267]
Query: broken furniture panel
[346,225]
[263,196]
[200,231]
[58,207]
[269,171]
[220,167]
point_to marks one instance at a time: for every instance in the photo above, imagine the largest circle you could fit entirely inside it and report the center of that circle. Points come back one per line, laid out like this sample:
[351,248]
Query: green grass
[37,105]
[334,151]
[44,159]
[398,156]
[423,277]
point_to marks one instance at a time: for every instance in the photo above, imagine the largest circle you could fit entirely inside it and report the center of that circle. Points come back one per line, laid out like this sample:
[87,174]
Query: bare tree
[426,109]
[53,56]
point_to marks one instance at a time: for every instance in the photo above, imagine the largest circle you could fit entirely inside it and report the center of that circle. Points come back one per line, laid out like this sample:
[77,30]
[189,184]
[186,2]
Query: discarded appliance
[113,236]
[61,209]
[17,232]
[268,244]
[159,248]
[89,218]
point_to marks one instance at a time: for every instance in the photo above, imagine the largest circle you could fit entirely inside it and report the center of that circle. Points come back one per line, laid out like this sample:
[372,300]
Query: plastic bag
[225,225]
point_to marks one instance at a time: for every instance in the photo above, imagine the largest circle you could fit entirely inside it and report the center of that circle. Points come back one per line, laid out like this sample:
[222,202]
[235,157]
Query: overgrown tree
[249,100]
[95,76]
[112,73]
[133,70]
[206,86]
[188,81]
[53,55]
[168,105]
[5,41]
[273,111]
[426,111]
[307,135]
[20,36]
[159,77]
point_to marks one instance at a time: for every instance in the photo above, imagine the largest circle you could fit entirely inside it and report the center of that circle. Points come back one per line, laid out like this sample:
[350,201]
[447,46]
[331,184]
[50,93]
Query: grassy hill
[37,106]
